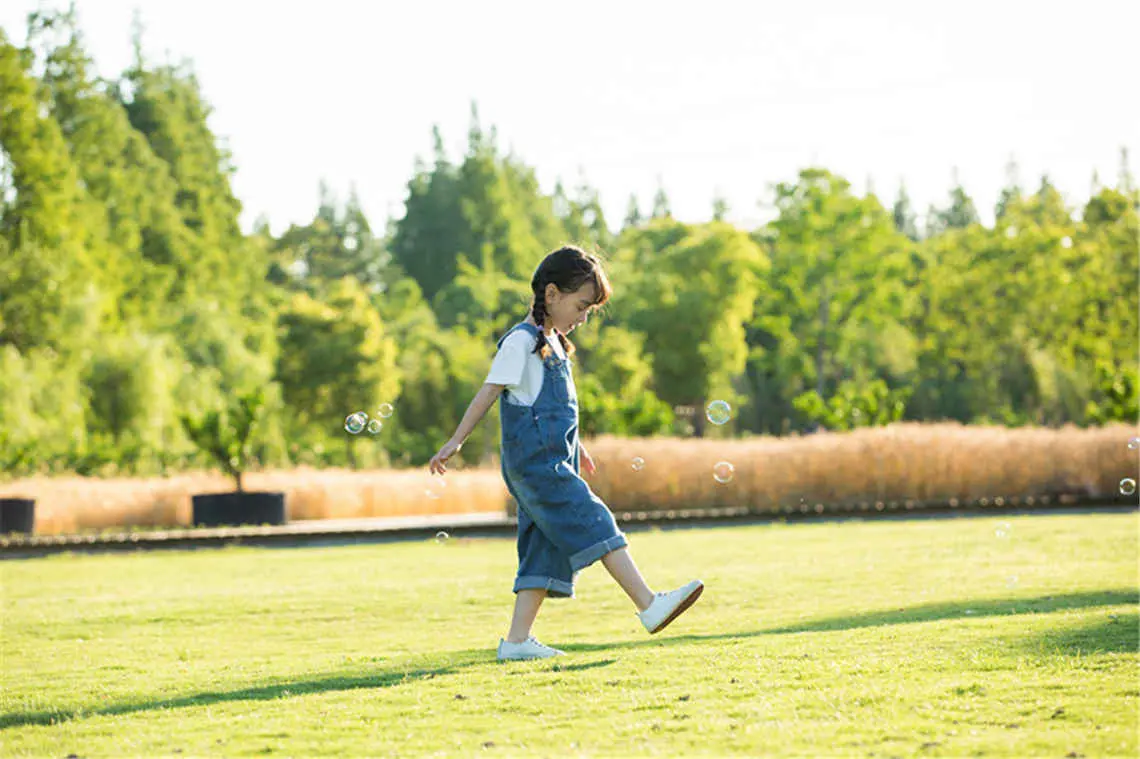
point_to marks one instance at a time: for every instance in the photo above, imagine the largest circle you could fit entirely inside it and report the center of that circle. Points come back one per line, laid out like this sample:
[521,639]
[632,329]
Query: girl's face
[565,311]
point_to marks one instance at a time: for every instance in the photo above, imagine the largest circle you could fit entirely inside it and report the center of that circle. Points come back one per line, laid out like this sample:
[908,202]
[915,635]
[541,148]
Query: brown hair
[567,268]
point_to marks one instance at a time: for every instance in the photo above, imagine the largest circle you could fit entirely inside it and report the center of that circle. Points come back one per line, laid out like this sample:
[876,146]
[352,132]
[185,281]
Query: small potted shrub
[225,434]
[16,514]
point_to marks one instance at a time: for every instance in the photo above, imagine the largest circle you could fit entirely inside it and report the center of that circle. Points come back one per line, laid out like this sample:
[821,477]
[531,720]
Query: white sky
[708,96]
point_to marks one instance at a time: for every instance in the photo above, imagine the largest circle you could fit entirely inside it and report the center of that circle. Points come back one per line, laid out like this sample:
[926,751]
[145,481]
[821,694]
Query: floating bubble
[718,412]
[386,410]
[1127,486]
[1003,530]
[1134,444]
[441,537]
[1011,232]
[1066,242]
[355,423]
[637,464]
[435,487]
[723,472]
[375,426]
[1011,581]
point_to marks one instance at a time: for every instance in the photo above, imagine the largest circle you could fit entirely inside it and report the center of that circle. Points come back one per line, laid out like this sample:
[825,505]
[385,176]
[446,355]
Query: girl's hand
[449,449]
[587,462]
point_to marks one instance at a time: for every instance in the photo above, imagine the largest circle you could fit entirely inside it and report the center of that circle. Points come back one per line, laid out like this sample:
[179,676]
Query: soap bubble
[1011,581]
[375,426]
[718,412]
[435,487]
[1003,530]
[1127,486]
[1134,444]
[637,464]
[723,472]
[441,537]
[1066,242]
[1011,232]
[355,423]
[386,410]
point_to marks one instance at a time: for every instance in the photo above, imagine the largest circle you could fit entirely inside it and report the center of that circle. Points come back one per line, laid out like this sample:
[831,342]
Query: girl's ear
[551,292]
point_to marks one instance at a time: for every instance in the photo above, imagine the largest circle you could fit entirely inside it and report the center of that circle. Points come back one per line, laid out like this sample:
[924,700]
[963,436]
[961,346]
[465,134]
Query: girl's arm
[586,461]
[482,401]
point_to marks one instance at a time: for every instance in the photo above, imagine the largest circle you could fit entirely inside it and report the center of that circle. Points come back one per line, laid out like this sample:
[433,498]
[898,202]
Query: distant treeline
[130,295]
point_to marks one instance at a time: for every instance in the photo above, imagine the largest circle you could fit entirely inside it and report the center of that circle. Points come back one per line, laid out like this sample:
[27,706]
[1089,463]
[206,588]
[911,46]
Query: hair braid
[538,311]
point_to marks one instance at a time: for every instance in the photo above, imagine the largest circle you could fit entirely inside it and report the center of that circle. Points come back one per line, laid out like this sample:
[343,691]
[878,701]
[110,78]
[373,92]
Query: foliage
[130,295]
[226,433]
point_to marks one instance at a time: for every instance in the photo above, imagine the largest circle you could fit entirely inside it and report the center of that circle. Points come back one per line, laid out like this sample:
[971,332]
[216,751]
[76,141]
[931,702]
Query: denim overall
[563,525]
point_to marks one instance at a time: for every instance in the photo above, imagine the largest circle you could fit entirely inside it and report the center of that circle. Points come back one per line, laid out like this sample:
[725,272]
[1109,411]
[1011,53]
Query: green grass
[877,638]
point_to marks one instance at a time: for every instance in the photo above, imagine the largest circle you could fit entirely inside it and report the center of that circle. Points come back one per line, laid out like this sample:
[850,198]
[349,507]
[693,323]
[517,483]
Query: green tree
[692,302]
[903,214]
[661,208]
[633,216]
[336,358]
[836,305]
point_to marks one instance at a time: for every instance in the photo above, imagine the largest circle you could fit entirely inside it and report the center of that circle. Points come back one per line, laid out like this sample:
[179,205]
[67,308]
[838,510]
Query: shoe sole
[692,599]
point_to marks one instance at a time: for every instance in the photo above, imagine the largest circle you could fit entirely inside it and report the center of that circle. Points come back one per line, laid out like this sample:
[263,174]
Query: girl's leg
[621,567]
[527,602]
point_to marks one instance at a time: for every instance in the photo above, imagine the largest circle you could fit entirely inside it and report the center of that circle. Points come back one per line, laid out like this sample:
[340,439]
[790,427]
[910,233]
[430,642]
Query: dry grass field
[901,462]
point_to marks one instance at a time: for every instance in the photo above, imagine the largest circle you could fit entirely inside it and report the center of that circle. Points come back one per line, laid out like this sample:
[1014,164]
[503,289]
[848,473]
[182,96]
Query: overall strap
[521,325]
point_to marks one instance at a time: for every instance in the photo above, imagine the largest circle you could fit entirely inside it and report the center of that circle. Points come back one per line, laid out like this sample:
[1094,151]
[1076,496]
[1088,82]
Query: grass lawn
[929,637]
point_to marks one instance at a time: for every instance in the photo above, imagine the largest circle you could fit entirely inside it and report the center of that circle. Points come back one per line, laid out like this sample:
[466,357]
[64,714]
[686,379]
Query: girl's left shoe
[668,606]
[528,649]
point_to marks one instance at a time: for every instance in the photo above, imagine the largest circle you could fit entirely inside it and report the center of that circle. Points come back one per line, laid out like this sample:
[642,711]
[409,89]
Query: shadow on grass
[584,665]
[1116,634]
[459,660]
[969,609]
[1109,635]
[383,679]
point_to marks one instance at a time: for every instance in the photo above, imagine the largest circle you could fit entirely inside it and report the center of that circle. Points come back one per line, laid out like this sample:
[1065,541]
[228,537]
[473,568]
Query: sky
[704,98]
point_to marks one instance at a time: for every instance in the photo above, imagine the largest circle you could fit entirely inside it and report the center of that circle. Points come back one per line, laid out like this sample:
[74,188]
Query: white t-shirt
[517,366]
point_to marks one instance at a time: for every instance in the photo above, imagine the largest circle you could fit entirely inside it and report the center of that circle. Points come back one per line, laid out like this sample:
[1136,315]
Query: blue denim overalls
[563,525]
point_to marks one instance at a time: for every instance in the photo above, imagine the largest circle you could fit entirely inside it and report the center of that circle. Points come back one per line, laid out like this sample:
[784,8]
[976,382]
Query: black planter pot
[17,515]
[218,509]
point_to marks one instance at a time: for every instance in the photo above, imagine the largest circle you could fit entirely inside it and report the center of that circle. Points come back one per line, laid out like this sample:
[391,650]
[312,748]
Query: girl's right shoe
[668,606]
[528,649]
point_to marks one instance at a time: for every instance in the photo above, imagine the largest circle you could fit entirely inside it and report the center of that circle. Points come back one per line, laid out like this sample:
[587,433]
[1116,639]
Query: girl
[563,526]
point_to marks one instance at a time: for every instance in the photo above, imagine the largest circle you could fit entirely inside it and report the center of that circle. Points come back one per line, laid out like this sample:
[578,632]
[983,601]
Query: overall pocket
[554,432]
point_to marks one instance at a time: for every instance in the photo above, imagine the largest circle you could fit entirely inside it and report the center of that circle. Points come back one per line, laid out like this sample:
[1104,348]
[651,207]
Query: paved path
[498,524]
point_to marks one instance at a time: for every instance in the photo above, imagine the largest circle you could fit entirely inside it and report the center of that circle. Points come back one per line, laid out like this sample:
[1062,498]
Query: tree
[903,214]
[1011,193]
[336,358]
[836,305]
[226,433]
[632,213]
[692,304]
[660,203]
[960,213]
[720,208]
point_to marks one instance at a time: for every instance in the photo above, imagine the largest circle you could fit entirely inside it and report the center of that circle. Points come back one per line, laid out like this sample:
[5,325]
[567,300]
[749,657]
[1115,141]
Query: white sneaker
[668,606]
[528,649]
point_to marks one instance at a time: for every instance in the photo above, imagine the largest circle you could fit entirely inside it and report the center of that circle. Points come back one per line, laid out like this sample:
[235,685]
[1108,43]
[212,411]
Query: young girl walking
[563,526]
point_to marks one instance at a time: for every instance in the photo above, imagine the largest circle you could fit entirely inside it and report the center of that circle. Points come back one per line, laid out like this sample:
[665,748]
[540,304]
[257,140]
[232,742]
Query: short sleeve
[510,362]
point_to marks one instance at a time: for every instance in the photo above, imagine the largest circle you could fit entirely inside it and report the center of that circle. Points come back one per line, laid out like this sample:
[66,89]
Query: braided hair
[568,268]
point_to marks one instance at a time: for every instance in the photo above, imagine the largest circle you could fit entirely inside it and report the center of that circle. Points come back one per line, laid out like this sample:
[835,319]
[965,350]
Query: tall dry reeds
[902,462]
[920,462]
